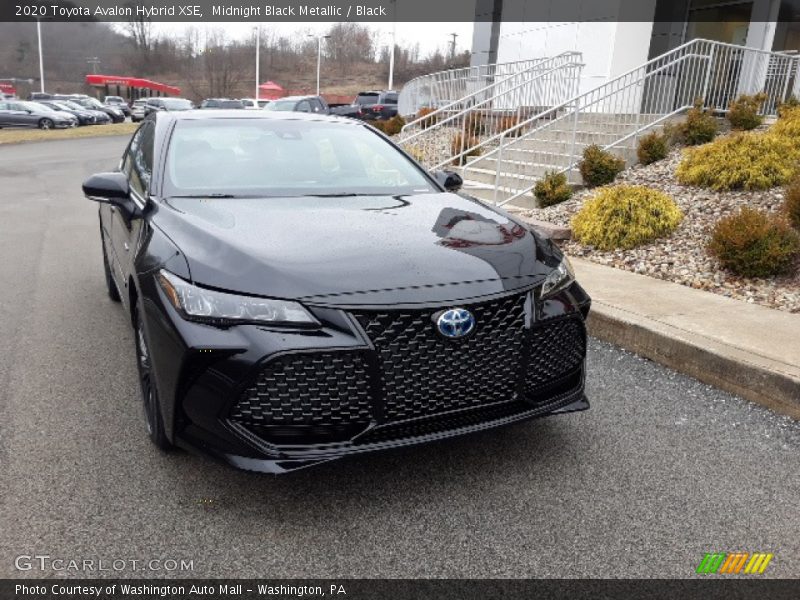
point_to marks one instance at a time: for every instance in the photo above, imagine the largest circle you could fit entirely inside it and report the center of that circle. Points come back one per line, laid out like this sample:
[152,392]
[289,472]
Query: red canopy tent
[270,91]
[131,87]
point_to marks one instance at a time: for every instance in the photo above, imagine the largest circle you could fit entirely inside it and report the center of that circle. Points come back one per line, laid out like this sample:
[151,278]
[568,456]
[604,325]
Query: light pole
[41,60]
[258,61]
[391,51]
[319,54]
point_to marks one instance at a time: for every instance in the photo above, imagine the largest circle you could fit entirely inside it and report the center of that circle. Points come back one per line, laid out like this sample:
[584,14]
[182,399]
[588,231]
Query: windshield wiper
[335,195]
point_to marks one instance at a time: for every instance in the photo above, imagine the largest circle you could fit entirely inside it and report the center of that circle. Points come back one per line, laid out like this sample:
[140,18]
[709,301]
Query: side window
[390,99]
[138,163]
[303,106]
[4,106]
[316,105]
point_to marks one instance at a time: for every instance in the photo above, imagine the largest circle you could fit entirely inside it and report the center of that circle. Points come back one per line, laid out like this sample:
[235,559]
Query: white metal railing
[455,131]
[615,114]
[437,89]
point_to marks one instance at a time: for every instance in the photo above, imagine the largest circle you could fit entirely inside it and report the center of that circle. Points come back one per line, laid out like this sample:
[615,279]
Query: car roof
[295,98]
[213,114]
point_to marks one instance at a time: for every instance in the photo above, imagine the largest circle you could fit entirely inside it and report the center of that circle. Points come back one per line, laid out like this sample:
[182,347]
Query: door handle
[126,246]
[113,209]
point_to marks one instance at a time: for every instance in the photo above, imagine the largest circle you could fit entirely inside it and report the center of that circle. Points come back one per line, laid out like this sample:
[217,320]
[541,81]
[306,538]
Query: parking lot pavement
[661,470]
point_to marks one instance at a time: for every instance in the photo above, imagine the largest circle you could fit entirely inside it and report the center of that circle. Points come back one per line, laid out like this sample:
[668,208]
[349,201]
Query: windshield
[69,105]
[89,102]
[281,105]
[114,99]
[367,99]
[176,104]
[266,157]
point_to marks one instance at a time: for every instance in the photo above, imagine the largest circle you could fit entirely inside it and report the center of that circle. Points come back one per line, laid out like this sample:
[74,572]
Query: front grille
[557,347]
[314,389]
[424,373]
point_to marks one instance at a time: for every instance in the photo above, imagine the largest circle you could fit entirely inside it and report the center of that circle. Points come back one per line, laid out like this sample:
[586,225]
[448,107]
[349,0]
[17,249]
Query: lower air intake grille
[308,389]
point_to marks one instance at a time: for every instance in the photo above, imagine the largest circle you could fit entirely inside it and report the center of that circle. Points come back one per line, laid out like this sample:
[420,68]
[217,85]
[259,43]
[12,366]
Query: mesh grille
[557,348]
[425,374]
[308,389]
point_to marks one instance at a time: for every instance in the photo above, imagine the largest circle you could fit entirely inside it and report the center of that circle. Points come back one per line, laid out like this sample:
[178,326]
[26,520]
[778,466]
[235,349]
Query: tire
[154,422]
[111,286]
[46,124]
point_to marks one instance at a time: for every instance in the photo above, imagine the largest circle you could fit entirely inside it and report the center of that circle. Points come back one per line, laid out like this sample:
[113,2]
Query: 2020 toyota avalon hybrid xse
[300,290]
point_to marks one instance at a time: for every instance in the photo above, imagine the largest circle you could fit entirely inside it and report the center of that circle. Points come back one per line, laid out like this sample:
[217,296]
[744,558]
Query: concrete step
[487,194]
[527,169]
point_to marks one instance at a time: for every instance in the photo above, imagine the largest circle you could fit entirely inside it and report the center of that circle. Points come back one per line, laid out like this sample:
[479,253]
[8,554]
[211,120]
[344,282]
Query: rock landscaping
[683,256]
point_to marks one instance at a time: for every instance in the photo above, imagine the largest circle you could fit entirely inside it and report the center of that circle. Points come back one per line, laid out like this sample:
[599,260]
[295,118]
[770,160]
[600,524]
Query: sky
[430,36]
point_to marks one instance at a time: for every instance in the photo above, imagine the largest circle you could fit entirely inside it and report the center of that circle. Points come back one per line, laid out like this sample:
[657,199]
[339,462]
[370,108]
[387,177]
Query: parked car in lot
[301,290]
[84,116]
[253,104]
[118,102]
[376,106]
[116,114]
[167,104]
[221,103]
[137,109]
[21,113]
[308,104]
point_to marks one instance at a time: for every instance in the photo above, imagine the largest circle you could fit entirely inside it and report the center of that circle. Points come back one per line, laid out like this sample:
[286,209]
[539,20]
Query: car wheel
[111,286]
[45,124]
[154,422]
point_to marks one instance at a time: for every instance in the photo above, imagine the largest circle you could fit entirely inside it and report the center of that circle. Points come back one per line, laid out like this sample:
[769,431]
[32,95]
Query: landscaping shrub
[743,161]
[788,125]
[790,104]
[474,123]
[699,127]
[431,120]
[791,203]
[743,112]
[755,244]
[461,143]
[599,166]
[415,152]
[625,216]
[392,126]
[652,147]
[504,123]
[552,189]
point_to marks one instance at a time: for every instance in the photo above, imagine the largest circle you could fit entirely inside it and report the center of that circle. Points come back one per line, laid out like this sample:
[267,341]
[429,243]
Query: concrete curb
[775,390]
[689,343]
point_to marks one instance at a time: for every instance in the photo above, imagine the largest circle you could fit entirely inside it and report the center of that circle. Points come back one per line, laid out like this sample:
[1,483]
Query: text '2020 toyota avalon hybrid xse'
[301,290]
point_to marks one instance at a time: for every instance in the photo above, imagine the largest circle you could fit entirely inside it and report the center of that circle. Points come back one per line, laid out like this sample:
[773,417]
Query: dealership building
[615,36]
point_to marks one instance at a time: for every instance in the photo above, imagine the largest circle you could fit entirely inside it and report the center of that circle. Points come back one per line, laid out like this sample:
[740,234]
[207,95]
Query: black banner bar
[712,588]
[364,11]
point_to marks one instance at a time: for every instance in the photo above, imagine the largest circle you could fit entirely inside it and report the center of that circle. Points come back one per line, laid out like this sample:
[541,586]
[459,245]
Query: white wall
[609,47]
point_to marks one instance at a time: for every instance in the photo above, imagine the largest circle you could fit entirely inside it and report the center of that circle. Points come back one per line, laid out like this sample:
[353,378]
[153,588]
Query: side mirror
[111,188]
[449,180]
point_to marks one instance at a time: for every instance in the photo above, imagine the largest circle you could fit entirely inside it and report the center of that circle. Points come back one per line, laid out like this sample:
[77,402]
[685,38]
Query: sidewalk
[747,349]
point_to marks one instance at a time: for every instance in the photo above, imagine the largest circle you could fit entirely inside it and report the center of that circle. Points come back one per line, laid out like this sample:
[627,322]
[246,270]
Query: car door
[20,116]
[137,165]
[5,109]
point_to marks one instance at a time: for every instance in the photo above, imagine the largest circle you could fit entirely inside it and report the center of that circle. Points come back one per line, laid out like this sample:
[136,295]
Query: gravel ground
[682,257]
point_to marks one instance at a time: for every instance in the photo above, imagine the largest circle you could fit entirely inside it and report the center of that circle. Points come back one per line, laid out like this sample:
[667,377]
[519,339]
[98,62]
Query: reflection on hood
[485,238]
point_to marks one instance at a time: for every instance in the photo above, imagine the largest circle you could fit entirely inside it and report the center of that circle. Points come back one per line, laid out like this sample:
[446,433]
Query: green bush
[625,216]
[652,147]
[552,189]
[791,203]
[743,161]
[755,244]
[699,127]
[743,112]
[599,166]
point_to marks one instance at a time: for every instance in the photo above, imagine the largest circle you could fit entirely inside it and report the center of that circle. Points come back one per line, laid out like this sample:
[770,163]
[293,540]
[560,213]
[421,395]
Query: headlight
[220,308]
[558,279]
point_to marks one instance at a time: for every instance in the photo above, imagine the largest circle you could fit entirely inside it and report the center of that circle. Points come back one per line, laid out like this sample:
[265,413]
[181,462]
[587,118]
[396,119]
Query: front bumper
[272,400]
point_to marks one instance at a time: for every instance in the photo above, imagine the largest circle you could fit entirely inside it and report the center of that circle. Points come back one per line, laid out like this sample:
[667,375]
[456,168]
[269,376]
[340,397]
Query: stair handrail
[572,107]
[433,115]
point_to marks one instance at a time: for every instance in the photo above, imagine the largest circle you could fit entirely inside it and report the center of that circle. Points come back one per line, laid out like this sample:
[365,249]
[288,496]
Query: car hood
[353,250]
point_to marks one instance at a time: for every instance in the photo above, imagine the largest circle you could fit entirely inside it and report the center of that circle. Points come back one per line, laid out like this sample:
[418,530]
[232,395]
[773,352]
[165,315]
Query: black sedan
[302,290]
